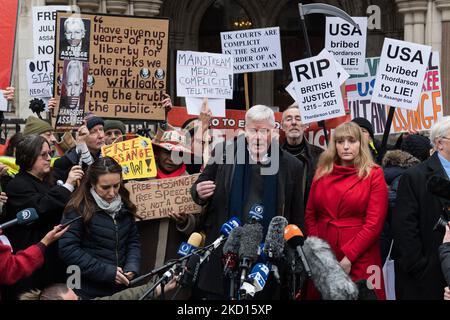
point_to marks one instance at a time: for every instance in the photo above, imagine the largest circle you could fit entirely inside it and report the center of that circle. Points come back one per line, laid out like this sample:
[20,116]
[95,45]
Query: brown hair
[28,150]
[52,292]
[82,201]
[363,161]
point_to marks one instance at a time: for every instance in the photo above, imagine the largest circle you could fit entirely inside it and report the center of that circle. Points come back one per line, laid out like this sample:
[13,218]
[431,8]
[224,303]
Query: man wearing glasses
[417,266]
[76,44]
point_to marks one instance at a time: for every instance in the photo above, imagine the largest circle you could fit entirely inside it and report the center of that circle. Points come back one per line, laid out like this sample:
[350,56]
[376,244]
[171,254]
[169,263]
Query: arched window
[221,16]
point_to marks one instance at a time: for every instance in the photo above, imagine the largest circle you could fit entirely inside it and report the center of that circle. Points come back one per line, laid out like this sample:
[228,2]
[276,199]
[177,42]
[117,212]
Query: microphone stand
[150,290]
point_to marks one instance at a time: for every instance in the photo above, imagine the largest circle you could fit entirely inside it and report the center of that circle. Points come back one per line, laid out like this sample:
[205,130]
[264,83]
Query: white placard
[44,31]
[342,74]
[400,73]
[347,43]
[317,86]
[253,50]
[3,102]
[39,77]
[217,106]
[204,74]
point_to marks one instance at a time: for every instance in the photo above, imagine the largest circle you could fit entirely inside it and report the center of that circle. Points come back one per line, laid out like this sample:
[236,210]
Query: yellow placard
[135,156]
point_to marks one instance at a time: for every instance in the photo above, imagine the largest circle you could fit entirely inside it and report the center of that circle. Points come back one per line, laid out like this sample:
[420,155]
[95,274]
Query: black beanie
[364,123]
[93,121]
[417,145]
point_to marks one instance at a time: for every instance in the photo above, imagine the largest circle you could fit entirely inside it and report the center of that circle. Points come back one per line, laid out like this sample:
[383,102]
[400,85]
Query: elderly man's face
[443,145]
[74,82]
[74,34]
[292,124]
[259,136]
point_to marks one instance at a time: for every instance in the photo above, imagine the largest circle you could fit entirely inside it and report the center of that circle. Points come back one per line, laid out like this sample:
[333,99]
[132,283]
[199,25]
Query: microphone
[294,237]
[439,186]
[190,266]
[248,251]
[194,241]
[256,281]
[327,274]
[256,213]
[225,231]
[231,250]
[24,217]
[274,243]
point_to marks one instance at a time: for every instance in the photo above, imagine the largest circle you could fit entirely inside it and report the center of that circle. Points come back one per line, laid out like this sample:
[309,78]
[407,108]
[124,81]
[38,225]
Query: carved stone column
[88,5]
[116,6]
[415,13]
[58,2]
[147,8]
[444,7]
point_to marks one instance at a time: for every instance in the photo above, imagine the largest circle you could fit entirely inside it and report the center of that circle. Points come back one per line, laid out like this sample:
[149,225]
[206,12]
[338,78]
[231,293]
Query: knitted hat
[36,126]
[114,124]
[93,121]
[364,123]
[171,140]
[417,145]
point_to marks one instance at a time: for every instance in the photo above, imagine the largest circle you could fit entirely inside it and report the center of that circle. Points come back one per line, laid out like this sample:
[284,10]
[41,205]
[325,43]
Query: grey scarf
[111,208]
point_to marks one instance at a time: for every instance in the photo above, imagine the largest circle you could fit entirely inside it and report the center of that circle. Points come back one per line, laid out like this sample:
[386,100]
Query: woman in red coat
[348,204]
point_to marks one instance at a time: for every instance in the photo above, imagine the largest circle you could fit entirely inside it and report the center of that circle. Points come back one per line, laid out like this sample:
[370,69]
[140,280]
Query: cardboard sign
[253,50]
[127,62]
[359,92]
[346,43]
[203,74]
[400,74]
[135,156]
[73,95]
[155,199]
[39,77]
[317,88]
[8,19]
[44,31]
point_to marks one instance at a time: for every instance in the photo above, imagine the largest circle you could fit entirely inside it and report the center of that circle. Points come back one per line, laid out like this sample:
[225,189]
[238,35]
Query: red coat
[348,212]
[21,265]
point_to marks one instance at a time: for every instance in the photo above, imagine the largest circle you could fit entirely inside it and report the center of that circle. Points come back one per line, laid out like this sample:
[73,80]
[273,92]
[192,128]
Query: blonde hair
[363,161]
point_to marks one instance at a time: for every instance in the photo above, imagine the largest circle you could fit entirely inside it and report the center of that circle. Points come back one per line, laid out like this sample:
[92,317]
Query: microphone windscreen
[293,235]
[439,186]
[274,244]
[27,215]
[195,239]
[328,276]
[250,240]
[233,242]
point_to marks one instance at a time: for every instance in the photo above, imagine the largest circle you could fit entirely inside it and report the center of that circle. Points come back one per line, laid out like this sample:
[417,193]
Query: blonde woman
[348,204]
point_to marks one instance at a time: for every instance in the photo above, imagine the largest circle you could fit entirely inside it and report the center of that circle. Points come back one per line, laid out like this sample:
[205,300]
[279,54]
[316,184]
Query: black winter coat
[418,272]
[444,255]
[64,164]
[99,248]
[27,191]
[290,205]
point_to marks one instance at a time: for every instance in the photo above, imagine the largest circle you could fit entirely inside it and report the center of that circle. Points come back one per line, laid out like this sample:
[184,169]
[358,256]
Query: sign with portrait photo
[127,59]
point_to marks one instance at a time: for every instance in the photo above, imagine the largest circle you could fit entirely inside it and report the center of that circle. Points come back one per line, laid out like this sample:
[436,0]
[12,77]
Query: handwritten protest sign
[39,77]
[203,74]
[44,31]
[317,88]
[429,111]
[8,19]
[135,156]
[253,50]
[127,62]
[400,74]
[347,43]
[155,199]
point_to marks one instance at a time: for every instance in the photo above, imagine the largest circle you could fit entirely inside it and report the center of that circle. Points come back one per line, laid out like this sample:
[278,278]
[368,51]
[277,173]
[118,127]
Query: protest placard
[217,106]
[253,50]
[135,156]
[127,62]
[400,74]
[156,199]
[317,88]
[347,43]
[342,74]
[39,77]
[44,18]
[429,111]
[204,74]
